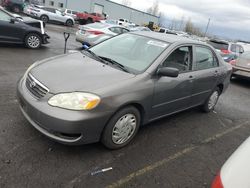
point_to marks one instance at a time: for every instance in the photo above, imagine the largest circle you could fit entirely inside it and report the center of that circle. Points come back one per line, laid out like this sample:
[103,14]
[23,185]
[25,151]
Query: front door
[10,32]
[174,94]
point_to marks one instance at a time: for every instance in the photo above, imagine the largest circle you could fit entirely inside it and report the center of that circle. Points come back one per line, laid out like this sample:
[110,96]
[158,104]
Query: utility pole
[207,27]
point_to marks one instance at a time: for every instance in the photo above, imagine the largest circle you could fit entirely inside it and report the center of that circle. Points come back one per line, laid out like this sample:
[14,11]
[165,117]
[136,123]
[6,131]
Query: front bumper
[64,126]
[45,38]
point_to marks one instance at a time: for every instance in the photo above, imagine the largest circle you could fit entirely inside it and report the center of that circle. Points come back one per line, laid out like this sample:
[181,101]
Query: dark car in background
[14,5]
[21,31]
[108,91]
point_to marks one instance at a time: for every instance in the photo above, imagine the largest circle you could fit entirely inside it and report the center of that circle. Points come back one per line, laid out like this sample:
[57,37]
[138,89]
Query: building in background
[112,9]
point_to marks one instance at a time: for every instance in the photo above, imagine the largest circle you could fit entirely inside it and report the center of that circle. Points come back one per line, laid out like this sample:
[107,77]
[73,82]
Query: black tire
[82,22]
[69,23]
[44,18]
[33,41]
[89,20]
[207,106]
[107,135]
[16,9]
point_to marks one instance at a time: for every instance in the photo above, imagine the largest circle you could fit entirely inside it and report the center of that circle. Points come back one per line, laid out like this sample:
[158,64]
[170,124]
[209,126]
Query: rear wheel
[212,100]
[82,22]
[44,18]
[16,9]
[69,23]
[89,20]
[121,128]
[33,41]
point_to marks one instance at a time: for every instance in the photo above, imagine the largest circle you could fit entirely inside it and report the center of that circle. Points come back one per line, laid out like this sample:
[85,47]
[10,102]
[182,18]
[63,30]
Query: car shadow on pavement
[241,81]
[20,46]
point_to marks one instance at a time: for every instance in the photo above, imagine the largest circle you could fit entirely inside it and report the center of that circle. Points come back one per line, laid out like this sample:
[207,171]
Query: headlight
[75,101]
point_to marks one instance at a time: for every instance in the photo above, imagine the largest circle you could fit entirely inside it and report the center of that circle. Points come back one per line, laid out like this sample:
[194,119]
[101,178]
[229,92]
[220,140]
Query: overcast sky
[229,18]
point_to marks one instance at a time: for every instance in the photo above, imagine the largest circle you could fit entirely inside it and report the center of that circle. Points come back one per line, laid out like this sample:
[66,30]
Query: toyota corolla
[108,91]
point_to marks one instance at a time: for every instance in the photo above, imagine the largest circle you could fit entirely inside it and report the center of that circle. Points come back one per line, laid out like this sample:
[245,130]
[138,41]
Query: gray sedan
[95,33]
[108,91]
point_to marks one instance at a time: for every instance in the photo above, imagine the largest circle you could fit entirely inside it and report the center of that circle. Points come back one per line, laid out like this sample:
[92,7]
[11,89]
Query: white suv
[48,14]
[71,13]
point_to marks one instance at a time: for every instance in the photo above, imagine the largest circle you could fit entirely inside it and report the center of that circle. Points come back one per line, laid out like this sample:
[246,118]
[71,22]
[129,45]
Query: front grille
[35,87]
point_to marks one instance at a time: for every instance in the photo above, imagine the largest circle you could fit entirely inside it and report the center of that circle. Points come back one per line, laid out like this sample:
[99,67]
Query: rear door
[174,94]
[11,32]
[206,74]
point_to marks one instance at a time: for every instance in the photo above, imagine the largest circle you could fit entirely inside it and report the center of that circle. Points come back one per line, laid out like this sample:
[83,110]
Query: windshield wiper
[95,56]
[113,62]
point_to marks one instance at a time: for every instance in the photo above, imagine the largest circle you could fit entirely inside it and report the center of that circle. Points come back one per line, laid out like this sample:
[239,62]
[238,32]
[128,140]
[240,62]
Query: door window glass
[205,59]
[4,16]
[181,59]
[233,48]
[58,12]
[125,30]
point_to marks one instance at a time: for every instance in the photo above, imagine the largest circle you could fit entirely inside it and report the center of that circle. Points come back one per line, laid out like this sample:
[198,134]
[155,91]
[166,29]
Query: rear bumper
[240,71]
[64,126]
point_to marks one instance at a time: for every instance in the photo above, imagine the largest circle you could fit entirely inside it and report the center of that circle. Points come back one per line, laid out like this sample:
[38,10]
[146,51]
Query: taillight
[217,182]
[225,51]
[233,62]
[95,32]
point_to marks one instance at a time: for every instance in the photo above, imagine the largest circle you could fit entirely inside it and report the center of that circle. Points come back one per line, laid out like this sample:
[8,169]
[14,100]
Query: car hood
[76,72]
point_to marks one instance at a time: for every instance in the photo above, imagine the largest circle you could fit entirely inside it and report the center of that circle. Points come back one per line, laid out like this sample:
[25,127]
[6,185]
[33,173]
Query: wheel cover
[44,18]
[69,22]
[213,100]
[33,41]
[124,129]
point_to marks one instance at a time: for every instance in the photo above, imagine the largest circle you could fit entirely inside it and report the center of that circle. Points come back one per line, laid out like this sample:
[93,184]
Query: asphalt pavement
[183,150]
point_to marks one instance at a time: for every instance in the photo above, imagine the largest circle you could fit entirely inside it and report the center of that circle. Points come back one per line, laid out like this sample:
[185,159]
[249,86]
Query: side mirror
[13,20]
[168,71]
[241,51]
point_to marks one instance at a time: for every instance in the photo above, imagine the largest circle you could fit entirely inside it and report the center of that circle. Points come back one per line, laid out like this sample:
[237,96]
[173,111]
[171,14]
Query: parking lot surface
[184,150]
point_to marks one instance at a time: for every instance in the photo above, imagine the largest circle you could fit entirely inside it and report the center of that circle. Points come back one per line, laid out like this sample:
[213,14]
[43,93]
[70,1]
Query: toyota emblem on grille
[32,84]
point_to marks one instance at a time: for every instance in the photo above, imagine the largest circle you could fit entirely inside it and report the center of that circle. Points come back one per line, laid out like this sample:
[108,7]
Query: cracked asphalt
[183,150]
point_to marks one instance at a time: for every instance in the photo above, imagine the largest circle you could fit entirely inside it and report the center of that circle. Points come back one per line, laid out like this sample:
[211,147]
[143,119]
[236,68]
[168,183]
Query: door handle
[191,78]
[216,73]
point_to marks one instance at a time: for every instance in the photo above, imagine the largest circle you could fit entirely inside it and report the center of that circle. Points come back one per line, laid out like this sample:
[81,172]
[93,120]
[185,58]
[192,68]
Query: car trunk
[244,62]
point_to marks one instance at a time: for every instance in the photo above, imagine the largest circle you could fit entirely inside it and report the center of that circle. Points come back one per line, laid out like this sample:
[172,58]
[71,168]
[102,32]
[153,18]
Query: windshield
[134,52]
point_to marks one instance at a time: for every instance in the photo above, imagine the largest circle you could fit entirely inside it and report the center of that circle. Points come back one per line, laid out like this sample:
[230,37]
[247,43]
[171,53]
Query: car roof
[169,38]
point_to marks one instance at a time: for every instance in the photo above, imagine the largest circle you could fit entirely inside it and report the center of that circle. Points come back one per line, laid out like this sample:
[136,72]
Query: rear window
[218,45]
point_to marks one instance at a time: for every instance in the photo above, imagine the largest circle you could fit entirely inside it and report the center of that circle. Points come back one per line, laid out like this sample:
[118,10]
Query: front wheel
[44,18]
[212,100]
[33,41]
[121,128]
[69,23]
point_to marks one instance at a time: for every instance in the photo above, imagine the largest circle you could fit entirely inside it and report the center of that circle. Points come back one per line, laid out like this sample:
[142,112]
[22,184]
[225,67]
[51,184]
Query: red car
[86,18]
